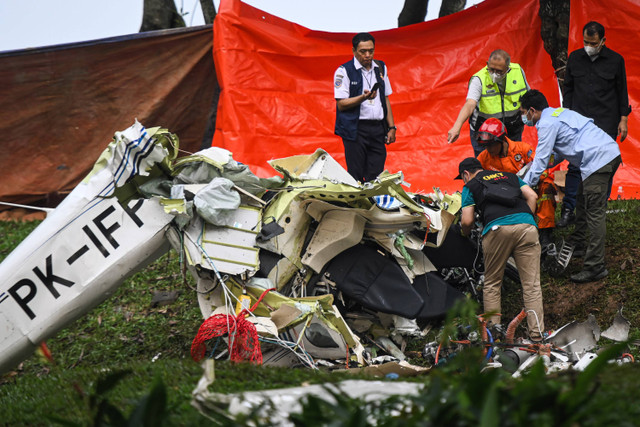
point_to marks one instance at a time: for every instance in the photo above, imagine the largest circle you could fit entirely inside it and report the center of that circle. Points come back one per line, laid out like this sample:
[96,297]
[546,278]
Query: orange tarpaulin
[61,105]
[277,83]
[620,23]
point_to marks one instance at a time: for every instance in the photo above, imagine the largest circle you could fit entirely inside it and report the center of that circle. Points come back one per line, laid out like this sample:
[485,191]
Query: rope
[243,336]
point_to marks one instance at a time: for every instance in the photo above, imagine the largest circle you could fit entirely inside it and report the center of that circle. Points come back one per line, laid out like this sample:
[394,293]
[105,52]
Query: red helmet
[491,130]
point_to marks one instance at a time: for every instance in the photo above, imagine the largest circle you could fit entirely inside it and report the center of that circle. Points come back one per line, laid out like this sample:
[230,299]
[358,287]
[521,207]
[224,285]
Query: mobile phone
[375,87]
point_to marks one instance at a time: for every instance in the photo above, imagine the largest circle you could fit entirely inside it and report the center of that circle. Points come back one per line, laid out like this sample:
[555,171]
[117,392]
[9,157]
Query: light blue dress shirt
[573,137]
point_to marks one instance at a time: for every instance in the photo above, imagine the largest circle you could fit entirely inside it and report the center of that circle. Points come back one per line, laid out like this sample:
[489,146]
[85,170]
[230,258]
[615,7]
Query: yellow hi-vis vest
[492,102]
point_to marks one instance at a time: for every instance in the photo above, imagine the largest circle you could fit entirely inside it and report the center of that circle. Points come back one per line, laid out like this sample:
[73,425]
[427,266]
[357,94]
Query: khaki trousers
[521,242]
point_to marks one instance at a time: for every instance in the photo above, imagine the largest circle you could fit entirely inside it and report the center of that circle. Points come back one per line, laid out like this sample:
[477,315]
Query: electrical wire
[537,322]
[229,297]
[490,350]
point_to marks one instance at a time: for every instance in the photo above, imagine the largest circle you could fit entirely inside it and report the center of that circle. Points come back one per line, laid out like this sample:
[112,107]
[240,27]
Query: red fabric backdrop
[277,83]
[620,23]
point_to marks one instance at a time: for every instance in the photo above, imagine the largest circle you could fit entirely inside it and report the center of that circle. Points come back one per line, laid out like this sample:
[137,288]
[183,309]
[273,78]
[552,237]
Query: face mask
[526,121]
[591,51]
[496,77]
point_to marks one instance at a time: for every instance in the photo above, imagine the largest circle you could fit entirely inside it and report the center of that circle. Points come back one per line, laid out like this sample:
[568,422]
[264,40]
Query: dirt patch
[21,214]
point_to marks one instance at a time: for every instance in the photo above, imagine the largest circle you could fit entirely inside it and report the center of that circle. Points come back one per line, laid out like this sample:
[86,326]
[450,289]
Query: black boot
[546,237]
[566,217]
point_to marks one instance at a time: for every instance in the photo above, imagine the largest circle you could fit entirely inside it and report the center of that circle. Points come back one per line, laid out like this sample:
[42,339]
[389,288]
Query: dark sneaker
[566,217]
[589,276]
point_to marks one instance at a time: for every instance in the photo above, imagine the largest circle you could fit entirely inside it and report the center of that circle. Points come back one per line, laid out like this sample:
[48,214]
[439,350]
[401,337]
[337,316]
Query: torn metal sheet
[228,249]
[319,165]
[320,307]
[402,369]
[289,243]
[577,338]
[337,231]
[391,348]
[619,329]
[276,405]
[241,237]
[83,250]
[311,324]
[376,218]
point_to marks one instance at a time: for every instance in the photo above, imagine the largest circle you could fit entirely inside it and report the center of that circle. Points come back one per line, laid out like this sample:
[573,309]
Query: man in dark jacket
[506,205]
[595,86]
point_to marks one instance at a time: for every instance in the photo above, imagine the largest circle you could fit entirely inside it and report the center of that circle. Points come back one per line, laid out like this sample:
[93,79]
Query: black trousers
[366,155]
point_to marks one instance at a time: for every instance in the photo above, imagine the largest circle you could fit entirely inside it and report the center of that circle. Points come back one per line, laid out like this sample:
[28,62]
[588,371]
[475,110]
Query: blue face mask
[526,121]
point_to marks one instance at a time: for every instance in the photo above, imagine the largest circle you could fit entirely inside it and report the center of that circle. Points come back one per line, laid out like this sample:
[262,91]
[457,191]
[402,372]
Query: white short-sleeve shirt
[370,109]
[475,92]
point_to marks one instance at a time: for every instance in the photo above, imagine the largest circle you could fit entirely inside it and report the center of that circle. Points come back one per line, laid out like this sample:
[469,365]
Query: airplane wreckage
[290,270]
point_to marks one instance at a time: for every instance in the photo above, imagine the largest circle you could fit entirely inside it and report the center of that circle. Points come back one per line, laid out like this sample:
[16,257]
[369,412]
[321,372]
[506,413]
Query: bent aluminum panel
[336,232]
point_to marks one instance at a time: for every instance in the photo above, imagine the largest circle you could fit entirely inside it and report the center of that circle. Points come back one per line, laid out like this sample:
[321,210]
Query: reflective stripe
[544,197]
[505,94]
[491,100]
[498,115]
[557,112]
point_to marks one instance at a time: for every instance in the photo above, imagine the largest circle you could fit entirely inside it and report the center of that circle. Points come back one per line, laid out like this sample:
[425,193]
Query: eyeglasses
[498,72]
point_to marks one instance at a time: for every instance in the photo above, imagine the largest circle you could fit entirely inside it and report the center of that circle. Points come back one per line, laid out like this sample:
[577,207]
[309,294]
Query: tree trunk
[449,7]
[554,31]
[208,11]
[413,12]
[160,15]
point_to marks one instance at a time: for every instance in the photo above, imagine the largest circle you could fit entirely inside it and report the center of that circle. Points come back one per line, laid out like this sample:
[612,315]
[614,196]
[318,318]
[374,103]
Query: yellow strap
[557,112]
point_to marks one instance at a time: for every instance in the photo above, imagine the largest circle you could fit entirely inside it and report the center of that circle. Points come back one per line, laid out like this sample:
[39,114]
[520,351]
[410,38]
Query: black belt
[370,122]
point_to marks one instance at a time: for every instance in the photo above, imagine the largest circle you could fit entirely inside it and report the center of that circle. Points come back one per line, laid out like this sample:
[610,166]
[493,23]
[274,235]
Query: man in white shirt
[364,119]
[494,91]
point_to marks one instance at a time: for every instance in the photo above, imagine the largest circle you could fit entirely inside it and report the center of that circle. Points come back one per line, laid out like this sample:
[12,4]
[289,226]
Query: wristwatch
[393,127]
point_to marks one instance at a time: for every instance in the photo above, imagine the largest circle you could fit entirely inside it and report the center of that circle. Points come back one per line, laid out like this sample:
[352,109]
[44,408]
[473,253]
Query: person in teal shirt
[506,205]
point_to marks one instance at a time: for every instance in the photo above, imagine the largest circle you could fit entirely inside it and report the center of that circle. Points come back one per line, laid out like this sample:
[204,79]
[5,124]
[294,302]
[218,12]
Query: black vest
[488,207]
[347,121]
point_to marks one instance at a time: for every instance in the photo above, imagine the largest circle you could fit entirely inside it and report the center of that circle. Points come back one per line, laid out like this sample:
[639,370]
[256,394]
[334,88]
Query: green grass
[125,332]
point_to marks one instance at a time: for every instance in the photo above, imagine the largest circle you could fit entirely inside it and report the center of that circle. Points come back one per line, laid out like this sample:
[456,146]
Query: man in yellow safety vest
[494,91]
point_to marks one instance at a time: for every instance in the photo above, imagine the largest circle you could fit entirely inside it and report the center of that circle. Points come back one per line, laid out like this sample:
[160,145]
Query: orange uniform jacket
[519,154]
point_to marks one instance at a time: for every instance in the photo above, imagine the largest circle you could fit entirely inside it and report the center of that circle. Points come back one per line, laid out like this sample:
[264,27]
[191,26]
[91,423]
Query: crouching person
[505,155]
[506,205]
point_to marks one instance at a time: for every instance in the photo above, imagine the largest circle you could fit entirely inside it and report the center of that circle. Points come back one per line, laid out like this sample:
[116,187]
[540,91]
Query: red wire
[426,233]
[260,299]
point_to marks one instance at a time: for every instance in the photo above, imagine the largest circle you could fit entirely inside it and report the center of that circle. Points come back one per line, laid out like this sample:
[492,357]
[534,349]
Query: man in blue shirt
[577,139]
[506,205]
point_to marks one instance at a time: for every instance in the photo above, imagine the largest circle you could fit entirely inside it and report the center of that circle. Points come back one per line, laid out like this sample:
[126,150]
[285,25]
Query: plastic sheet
[60,104]
[277,93]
